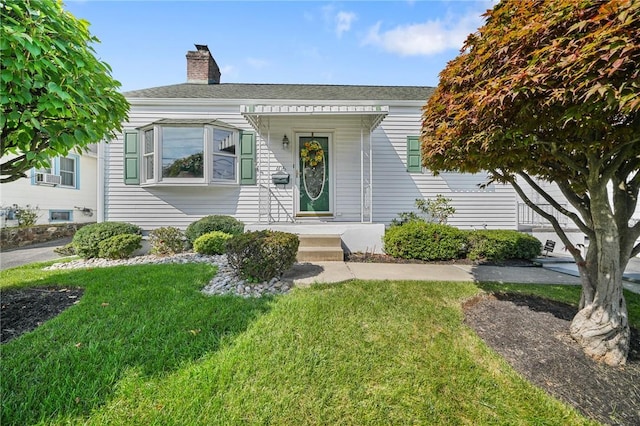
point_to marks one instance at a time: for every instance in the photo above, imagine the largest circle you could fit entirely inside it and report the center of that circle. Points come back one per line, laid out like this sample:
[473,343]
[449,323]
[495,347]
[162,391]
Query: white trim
[234,102]
[306,109]
[102,167]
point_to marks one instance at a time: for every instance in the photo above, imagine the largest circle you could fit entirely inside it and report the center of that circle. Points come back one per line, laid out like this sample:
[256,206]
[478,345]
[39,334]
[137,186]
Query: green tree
[55,95]
[548,90]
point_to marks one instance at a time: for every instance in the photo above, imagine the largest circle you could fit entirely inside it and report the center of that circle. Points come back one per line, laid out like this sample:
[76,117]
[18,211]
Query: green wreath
[312,153]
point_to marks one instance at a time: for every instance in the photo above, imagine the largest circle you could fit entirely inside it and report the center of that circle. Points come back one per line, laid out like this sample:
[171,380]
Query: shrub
[438,210]
[87,238]
[502,244]
[211,243]
[65,250]
[262,255]
[166,241]
[435,210]
[424,241]
[225,224]
[120,246]
[27,215]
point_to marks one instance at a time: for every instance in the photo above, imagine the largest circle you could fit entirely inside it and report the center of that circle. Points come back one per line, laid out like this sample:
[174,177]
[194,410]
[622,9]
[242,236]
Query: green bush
[424,241]
[502,244]
[87,238]
[211,243]
[261,255]
[166,241]
[207,224]
[65,250]
[120,246]
[27,216]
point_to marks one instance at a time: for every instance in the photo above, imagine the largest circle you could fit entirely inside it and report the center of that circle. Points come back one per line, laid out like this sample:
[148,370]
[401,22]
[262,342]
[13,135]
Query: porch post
[371,128]
[362,193]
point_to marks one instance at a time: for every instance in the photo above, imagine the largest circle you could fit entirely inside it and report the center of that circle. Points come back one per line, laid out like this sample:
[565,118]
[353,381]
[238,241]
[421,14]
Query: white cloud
[343,22]
[426,38]
[338,21]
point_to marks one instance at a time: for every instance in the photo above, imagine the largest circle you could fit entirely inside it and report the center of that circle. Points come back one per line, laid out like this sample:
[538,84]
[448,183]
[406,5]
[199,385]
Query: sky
[394,43]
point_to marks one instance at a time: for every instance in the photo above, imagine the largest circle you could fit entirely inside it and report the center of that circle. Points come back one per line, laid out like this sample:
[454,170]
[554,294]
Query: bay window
[189,152]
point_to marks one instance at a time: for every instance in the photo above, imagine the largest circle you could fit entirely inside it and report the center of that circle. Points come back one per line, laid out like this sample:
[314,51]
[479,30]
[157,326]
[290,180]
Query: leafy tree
[548,90]
[55,95]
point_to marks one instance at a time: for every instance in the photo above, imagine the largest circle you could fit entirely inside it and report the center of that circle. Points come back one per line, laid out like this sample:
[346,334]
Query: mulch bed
[385,258]
[531,333]
[23,310]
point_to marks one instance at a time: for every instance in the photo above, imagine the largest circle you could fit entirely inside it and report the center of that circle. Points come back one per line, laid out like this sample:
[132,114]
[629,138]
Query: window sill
[188,184]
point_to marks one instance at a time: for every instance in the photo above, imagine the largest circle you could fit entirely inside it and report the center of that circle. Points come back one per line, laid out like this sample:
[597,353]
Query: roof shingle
[317,92]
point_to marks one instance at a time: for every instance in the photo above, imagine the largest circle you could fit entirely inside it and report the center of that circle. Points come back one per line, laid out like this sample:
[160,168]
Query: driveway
[34,253]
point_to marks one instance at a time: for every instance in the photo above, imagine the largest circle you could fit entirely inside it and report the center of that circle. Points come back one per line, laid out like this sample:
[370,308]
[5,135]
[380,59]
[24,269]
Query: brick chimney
[201,67]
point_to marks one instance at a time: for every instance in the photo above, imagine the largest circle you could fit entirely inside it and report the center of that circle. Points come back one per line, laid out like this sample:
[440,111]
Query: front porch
[355,236]
[315,162]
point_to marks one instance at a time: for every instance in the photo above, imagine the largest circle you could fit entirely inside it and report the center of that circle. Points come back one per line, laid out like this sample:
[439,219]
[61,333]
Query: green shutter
[247,158]
[131,159]
[413,154]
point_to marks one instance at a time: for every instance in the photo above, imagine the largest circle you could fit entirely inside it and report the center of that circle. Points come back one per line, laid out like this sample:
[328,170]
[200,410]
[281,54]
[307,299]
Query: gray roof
[319,92]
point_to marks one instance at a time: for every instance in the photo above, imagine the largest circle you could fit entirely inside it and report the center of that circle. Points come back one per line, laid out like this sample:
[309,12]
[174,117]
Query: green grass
[143,346]
[566,294]
[148,319]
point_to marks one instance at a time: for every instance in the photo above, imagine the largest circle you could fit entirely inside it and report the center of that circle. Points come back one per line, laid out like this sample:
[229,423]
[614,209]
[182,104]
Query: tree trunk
[601,326]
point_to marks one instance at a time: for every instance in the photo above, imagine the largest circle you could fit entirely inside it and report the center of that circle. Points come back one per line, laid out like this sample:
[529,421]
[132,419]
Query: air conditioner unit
[48,179]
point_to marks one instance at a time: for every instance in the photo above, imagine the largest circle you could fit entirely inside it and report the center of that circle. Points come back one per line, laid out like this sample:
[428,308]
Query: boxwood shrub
[119,247]
[166,240]
[425,241]
[262,255]
[227,224]
[86,239]
[211,243]
[502,244]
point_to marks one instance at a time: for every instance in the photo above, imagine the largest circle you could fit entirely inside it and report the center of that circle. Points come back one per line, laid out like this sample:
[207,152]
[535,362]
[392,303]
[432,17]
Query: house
[304,158]
[63,193]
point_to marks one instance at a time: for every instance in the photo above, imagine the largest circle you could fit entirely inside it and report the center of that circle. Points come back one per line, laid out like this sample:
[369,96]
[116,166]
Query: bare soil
[531,333]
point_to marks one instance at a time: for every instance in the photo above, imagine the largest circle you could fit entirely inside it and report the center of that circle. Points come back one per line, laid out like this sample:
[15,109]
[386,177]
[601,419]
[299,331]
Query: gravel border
[225,282]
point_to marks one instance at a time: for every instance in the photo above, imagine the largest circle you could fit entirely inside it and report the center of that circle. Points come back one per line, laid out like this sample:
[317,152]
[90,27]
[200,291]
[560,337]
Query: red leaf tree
[549,91]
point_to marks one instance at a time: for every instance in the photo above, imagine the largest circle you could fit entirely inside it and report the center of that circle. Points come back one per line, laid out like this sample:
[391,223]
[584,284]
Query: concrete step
[320,240]
[320,254]
[320,247]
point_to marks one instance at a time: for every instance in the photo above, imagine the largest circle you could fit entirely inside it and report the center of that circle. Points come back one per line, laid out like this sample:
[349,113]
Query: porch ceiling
[375,113]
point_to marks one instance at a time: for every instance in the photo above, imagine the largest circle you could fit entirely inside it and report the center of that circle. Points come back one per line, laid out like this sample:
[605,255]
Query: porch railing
[527,216]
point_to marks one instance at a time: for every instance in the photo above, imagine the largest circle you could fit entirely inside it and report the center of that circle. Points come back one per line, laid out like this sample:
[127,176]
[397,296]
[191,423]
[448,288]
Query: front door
[314,186]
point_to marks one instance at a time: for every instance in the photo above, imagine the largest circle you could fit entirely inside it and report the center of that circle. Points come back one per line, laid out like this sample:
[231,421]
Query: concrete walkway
[305,274]
[328,272]
[555,270]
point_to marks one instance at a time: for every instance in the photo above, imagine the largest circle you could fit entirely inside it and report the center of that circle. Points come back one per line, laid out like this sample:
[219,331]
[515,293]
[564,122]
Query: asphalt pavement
[29,254]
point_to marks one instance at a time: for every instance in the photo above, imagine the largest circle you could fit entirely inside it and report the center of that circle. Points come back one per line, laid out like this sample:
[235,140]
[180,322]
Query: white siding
[394,190]
[24,191]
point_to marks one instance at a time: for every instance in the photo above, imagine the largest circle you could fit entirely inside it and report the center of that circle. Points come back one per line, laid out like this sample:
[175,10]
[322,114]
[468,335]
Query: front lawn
[143,346]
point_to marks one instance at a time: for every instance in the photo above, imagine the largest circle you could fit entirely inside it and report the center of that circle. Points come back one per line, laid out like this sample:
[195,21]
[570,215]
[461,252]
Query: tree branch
[574,217]
[554,222]
[624,154]
[566,159]
[582,203]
